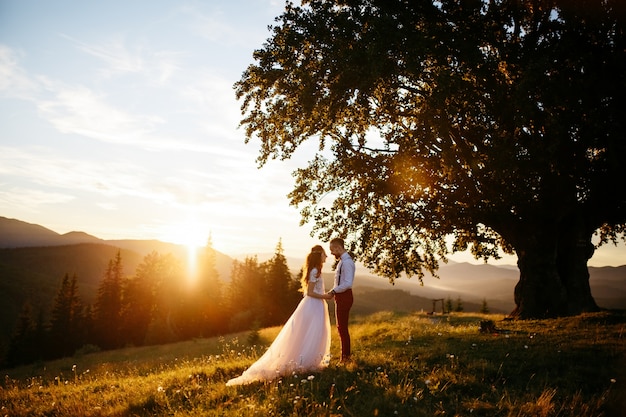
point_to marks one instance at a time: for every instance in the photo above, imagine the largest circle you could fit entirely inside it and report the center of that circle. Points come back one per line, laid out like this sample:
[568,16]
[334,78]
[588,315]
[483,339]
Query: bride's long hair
[313,261]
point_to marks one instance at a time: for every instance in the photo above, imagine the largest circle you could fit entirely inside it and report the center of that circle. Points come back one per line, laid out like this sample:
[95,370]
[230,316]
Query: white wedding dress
[303,344]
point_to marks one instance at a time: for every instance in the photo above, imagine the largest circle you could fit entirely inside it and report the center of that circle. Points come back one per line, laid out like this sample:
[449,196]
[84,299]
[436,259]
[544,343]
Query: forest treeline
[162,302]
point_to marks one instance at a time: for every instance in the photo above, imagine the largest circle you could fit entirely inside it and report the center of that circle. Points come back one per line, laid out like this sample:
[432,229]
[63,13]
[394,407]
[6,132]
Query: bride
[303,344]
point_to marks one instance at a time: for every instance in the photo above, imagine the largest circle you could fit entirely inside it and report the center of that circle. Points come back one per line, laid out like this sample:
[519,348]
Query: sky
[119,119]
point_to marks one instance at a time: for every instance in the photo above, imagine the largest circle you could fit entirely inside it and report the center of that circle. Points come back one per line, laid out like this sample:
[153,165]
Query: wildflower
[613,380]
[311,377]
[303,381]
[160,389]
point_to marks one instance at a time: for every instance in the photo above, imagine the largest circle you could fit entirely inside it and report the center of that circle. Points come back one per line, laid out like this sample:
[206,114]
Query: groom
[342,291]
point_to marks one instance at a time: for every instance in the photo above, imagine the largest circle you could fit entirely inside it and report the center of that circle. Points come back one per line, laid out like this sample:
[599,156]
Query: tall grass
[405,365]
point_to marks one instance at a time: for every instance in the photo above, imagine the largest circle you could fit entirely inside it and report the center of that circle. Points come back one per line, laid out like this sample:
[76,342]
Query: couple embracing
[303,344]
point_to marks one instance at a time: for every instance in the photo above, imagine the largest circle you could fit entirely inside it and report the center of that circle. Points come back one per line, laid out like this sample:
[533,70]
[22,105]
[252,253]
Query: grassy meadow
[405,365]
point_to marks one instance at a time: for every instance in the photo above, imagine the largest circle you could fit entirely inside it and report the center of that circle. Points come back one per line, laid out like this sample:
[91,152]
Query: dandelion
[311,377]
[160,389]
[303,381]
[613,380]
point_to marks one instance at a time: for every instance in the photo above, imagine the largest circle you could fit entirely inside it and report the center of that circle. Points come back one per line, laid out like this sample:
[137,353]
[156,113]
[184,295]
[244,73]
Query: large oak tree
[452,125]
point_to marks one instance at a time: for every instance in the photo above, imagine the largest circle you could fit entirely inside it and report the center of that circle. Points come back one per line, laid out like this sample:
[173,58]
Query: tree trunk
[574,250]
[540,293]
[554,278]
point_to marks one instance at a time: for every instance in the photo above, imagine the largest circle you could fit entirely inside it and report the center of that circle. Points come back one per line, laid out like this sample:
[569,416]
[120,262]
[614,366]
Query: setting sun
[191,234]
[194,235]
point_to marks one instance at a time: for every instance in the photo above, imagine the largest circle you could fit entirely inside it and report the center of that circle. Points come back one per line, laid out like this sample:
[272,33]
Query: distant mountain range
[34,259]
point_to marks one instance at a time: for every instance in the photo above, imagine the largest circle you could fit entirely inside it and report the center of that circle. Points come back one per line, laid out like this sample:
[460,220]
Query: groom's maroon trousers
[343,303]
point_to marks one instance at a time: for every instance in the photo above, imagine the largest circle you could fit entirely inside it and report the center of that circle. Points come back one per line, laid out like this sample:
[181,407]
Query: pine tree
[279,281]
[108,306]
[211,287]
[87,325]
[449,305]
[484,309]
[137,306]
[22,346]
[246,294]
[163,275]
[66,319]
[458,307]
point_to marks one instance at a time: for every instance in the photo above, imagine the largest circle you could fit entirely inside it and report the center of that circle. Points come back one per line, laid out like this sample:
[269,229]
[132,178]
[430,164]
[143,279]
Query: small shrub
[86,349]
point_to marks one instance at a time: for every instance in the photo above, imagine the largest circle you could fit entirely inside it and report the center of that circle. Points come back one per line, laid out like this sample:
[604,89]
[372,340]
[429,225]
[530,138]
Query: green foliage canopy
[496,123]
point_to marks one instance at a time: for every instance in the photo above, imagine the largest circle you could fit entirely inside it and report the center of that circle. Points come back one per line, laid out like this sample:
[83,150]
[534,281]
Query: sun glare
[193,236]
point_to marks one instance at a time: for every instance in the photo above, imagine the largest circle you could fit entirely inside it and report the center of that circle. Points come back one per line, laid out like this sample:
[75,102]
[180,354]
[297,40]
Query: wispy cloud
[79,110]
[120,57]
[42,167]
[114,53]
[171,185]
[147,122]
[14,82]
[28,199]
